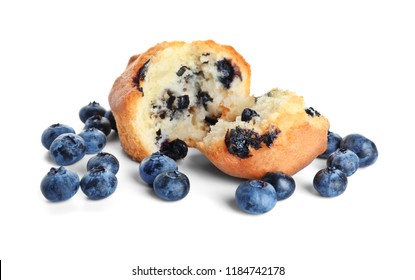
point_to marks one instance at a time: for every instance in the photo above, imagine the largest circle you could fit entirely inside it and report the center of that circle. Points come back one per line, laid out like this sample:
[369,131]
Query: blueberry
[203,98]
[284,184]
[92,109]
[176,149]
[155,164]
[364,148]
[248,114]
[239,140]
[171,185]
[268,138]
[330,182]
[226,72]
[95,140]
[344,160]
[181,70]
[211,120]
[98,183]
[177,103]
[106,160]
[170,100]
[100,122]
[67,149]
[312,112]
[59,184]
[256,197]
[54,131]
[141,76]
[109,115]
[183,102]
[333,143]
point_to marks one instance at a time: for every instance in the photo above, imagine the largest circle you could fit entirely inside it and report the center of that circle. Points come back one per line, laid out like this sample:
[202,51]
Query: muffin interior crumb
[191,91]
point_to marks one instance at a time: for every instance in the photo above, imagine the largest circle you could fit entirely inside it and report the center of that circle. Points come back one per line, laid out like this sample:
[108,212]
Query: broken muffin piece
[178,90]
[282,137]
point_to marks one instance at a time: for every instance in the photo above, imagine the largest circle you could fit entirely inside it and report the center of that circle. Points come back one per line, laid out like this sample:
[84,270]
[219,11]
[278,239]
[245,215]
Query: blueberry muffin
[178,90]
[278,133]
[199,93]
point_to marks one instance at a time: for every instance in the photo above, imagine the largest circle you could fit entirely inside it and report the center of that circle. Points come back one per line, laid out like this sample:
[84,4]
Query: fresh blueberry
[99,122]
[284,184]
[110,117]
[155,164]
[364,148]
[333,143]
[176,149]
[95,140]
[67,149]
[248,114]
[256,197]
[54,131]
[106,160]
[171,185]
[98,183]
[92,109]
[344,160]
[59,184]
[330,182]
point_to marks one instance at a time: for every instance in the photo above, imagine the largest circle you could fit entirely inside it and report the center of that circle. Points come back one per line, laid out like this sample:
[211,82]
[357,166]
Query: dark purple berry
[110,117]
[176,149]
[203,98]
[105,160]
[140,77]
[330,182]
[99,122]
[53,131]
[284,184]
[67,149]
[98,183]
[171,185]
[364,148]
[59,184]
[248,114]
[226,72]
[344,160]
[239,140]
[93,108]
[312,112]
[333,143]
[95,140]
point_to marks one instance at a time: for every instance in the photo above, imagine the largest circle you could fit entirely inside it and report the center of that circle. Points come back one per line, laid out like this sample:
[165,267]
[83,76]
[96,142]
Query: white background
[354,62]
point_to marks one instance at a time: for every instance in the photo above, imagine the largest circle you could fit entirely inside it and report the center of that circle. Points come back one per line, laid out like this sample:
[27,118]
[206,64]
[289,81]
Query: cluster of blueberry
[255,197]
[161,173]
[66,148]
[344,156]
